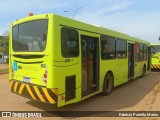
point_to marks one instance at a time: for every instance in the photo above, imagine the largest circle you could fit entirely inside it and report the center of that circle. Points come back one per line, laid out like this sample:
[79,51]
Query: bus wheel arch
[108,83]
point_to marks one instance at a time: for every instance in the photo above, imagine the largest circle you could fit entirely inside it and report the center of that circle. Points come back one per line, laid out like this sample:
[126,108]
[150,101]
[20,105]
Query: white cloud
[117,16]
[120,15]
[115,7]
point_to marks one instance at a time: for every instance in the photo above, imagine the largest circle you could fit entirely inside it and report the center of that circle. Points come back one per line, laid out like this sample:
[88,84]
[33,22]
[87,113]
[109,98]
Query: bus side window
[107,47]
[69,42]
[137,52]
[121,46]
[141,52]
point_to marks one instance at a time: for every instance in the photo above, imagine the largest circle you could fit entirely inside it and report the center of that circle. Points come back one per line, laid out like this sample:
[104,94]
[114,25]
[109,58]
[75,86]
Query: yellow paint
[21,89]
[15,86]
[30,92]
[38,94]
[11,82]
[48,96]
[55,91]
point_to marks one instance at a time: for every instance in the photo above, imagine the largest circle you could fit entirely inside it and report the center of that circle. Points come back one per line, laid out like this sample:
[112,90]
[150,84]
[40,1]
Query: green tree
[4,42]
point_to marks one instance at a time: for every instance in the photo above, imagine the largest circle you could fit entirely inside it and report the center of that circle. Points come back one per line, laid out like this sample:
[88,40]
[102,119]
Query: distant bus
[155,58]
[61,61]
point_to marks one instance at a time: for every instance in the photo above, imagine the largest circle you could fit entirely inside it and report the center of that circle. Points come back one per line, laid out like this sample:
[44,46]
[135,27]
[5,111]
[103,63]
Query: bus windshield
[30,36]
[155,49]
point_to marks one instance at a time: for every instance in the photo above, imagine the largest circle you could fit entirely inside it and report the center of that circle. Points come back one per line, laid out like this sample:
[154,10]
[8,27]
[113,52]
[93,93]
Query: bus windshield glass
[30,36]
[155,49]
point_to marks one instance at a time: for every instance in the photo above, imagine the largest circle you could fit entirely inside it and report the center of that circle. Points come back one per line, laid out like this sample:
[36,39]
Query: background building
[4,48]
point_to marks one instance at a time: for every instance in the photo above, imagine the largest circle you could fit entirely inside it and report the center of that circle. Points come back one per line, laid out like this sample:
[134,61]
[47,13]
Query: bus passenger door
[90,64]
[149,58]
[130,60]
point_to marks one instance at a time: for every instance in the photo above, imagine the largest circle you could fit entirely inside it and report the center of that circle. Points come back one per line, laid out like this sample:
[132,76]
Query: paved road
[124,97]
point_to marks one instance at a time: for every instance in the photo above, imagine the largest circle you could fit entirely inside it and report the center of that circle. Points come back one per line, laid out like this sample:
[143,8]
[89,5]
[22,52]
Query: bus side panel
[119,68]
[121,72]
[64,77]
[139,68]
[66,71]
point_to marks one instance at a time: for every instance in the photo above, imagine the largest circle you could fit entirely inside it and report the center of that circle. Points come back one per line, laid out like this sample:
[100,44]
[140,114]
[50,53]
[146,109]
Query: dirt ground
[3,66]
[142,94]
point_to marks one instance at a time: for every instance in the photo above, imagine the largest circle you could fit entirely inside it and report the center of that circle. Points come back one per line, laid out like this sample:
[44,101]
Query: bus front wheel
[108,84]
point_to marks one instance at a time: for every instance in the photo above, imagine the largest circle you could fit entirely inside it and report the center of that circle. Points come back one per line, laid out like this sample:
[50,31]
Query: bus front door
[90,64]
[149,58]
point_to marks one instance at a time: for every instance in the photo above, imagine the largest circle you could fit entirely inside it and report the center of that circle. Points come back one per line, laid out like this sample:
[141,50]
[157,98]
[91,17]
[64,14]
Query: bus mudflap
[34,92]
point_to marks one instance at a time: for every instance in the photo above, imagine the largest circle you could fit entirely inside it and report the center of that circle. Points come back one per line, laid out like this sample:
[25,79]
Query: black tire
[108,84]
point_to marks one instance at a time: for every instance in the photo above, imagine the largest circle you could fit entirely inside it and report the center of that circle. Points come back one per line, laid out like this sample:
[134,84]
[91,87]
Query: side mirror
[159,38]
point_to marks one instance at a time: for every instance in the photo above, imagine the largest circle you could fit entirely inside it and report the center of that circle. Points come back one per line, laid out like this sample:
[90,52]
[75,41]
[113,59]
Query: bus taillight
[45,76]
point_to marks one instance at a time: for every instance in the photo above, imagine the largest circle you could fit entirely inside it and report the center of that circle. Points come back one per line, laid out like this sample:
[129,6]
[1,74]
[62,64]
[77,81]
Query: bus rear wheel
[108,84]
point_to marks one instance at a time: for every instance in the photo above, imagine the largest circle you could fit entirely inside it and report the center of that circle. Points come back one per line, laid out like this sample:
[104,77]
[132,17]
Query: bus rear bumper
[155,66]
[35,92]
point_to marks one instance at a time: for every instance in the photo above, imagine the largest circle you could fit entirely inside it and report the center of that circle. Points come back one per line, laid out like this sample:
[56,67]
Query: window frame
[119,39]
[114,46]
[78,51]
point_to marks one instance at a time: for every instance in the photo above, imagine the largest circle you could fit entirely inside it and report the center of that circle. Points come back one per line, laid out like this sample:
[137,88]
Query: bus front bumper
[35,92]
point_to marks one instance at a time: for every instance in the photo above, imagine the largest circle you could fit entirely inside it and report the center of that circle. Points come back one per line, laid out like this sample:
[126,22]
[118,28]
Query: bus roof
[155,44]
[81,26]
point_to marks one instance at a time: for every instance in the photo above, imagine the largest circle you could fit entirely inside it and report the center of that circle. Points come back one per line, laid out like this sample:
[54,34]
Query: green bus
[155,58]
[61,61]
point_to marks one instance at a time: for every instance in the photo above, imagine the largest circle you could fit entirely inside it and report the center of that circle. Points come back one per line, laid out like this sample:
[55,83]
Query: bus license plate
[26,79]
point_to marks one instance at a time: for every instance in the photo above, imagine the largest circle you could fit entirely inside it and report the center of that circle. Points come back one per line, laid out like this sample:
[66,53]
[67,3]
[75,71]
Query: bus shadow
[155,70]
[123,97]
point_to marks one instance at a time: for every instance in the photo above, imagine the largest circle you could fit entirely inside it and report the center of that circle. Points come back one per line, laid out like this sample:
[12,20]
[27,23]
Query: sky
[137,18]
